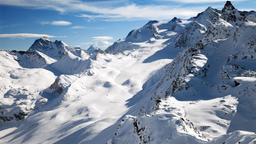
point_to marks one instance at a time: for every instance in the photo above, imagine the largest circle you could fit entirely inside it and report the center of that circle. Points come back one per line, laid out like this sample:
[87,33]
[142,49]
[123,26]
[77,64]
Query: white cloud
[131,11]
[105,38]
[143,12]
[57,23]
[77,27]
[102,41]
[25,35]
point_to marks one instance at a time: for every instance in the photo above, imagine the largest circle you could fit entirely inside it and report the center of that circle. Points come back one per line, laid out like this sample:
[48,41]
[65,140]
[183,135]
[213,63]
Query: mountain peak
[228,6]
[175,20]
[42,40]
[92,48]
[54,49]
[151,22]
[61,43]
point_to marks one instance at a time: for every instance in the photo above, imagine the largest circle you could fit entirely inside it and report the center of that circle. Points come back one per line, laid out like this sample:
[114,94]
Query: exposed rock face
[29,59]
[182,81]
[218,50]
[93,51]
[18,103]
[148,31]
[54,49]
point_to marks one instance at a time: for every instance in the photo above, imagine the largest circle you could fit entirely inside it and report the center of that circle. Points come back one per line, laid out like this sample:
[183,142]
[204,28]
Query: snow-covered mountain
[187,81]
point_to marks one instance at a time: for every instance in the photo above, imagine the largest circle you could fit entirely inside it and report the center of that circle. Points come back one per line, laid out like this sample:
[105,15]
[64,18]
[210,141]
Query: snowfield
[187,81]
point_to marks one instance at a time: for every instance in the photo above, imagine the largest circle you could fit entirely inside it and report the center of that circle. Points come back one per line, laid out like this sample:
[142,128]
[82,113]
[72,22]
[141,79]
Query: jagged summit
[55,49]
[210,9]
[93,51]
[40,42]
[232,15]
[149,30]
[228,6]
[174,20]
[43,39]
[44,43]
[60,42]
[209,13]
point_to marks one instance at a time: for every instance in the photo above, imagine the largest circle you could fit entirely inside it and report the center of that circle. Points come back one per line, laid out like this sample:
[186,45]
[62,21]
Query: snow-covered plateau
[186,81]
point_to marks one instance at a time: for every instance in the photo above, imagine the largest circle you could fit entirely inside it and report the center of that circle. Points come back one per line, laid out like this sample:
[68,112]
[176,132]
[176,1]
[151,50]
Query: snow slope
[81,101]
[182,81]
[204,71]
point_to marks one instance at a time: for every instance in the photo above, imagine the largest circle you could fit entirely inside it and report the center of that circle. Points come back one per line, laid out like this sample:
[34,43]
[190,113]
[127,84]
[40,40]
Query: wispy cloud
[77,27]
[57,23]
[25,35]
[102,41]
[129,11]
[103,38]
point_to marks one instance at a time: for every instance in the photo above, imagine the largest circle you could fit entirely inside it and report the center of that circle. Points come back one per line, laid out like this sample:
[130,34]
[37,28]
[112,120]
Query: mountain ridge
[183,81]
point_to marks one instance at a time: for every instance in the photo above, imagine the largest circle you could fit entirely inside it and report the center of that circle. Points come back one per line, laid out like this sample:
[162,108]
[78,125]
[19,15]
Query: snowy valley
[185,81]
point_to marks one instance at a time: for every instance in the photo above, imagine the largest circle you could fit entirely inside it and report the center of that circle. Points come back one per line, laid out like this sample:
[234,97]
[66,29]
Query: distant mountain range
[186,81]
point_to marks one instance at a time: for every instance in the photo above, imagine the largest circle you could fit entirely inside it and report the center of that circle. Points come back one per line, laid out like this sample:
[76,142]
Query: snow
[182,81]
[241,137]
[87,101]
[20,88]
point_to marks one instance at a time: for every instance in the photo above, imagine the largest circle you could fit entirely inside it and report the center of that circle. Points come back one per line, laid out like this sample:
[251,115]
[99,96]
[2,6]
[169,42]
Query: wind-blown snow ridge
[182,81]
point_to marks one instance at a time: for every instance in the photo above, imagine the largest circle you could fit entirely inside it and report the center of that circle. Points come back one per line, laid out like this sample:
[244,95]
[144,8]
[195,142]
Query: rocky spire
[228,6]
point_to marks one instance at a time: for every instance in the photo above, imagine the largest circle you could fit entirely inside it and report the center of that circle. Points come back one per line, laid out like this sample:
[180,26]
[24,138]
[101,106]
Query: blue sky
[85,22]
